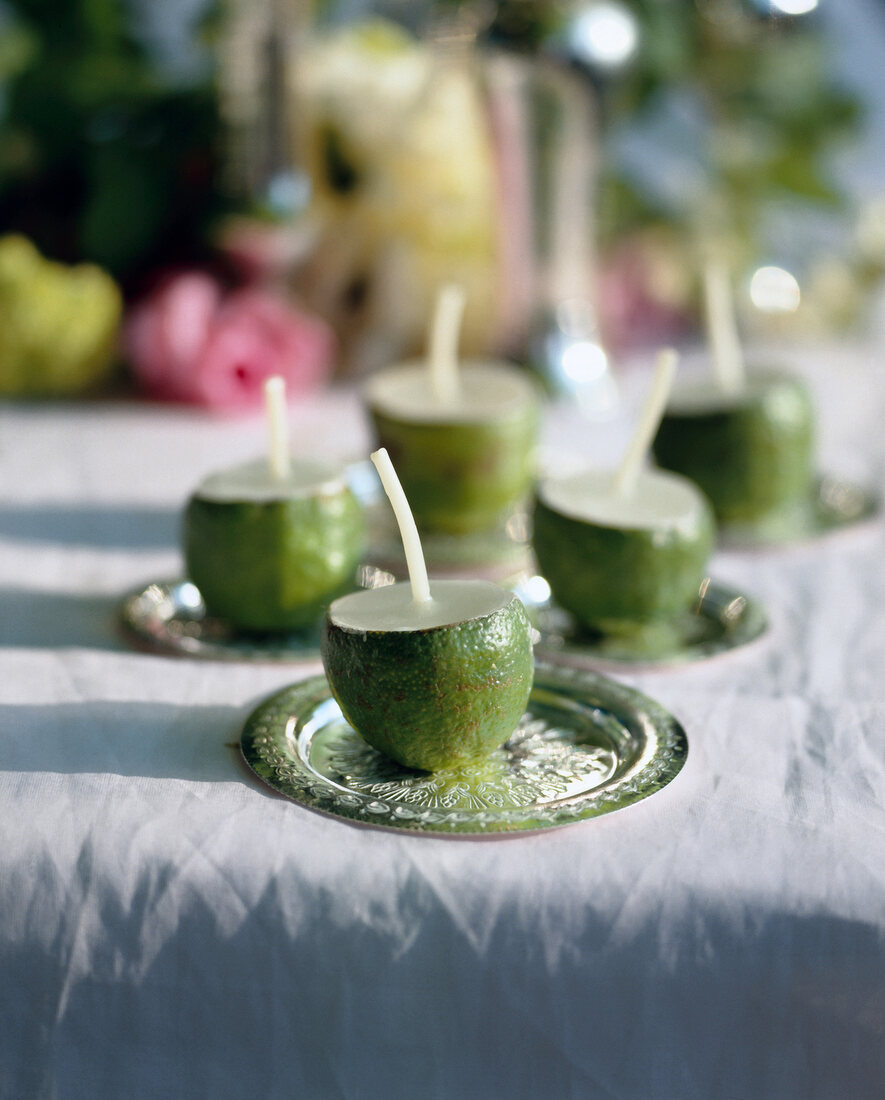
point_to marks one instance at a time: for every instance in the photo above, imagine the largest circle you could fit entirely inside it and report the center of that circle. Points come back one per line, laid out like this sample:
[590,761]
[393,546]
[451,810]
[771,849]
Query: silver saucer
[833,505]
[170,617]
[585,746]
[723,619]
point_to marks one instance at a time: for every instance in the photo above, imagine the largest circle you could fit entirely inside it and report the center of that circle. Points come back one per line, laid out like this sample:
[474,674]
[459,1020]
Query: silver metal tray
[722,620]
[833,505]
[170,617]
[585,746]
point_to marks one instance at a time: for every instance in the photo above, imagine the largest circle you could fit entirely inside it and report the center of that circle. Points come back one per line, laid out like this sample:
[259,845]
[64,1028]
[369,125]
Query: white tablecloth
[169,928]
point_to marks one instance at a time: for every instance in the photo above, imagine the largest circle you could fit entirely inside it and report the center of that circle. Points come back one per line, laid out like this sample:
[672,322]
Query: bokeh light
[604,35]
[793,7]
[584,362]
[774,290]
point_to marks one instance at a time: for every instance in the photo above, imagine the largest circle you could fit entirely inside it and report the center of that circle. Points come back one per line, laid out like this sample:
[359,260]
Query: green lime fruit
[615,563]
[269,555]
[435,684]
[752,453]
[466,465]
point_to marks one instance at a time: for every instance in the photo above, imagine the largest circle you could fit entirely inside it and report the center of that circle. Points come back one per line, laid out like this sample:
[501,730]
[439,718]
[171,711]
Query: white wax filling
[659,500]
[704,395]
[393,609]
[488,391]
[253,481]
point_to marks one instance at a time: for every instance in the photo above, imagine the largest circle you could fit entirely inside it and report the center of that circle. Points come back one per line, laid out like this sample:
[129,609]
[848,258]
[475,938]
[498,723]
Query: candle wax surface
[392,608]
[658,500]
[488,391]
[253,481]
[703,395]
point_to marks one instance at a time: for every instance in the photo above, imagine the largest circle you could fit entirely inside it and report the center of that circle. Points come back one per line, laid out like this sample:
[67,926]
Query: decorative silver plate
[585,746]
[170,617]
[833,506]
[722,620]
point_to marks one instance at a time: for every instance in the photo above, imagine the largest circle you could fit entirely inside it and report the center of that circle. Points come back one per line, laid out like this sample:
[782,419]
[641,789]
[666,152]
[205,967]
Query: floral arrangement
[110,154]
[189,340]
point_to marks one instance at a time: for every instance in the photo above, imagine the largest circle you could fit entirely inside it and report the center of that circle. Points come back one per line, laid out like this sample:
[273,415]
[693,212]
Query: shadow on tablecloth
[122,527]
[122,737]
[183,980]
[34,619]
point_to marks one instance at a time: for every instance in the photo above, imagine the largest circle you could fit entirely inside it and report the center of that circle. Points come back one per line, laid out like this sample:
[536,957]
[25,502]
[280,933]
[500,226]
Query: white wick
[277,428]
[445,331]
[665,368]
[728,360]
[406,523]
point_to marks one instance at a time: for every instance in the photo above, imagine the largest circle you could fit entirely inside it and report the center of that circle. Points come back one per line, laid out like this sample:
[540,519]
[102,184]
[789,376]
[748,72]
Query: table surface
[169,927]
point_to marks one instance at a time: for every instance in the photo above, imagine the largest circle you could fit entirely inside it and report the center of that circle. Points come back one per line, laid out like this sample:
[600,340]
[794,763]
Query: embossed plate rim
[141,616]
[748,627]
[818,519]
[275,744]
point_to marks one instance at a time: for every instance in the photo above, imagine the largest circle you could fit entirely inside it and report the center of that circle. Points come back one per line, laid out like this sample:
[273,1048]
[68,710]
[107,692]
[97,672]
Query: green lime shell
[273,565]
[612,577]
[434,698]
[462,477]
[750,458]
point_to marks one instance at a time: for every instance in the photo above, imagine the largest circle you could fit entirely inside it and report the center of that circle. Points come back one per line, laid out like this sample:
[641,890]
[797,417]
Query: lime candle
[625,547]
[745,437]
[271,542]
[432,673]
[462,435]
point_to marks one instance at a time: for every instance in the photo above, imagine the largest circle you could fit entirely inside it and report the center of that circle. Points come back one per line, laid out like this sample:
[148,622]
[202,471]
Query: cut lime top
[705,395]
[489,391]
[659,499]
[253,481]
[393,609]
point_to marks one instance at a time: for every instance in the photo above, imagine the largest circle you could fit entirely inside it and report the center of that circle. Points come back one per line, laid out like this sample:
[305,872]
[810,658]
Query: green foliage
[772,111]
[102,157]
[105,158]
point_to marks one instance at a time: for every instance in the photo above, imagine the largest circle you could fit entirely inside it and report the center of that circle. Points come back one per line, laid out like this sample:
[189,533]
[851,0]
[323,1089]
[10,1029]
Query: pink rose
[189,341]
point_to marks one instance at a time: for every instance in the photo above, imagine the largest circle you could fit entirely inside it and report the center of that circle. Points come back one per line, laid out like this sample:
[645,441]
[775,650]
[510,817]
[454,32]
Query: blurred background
[194,194]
